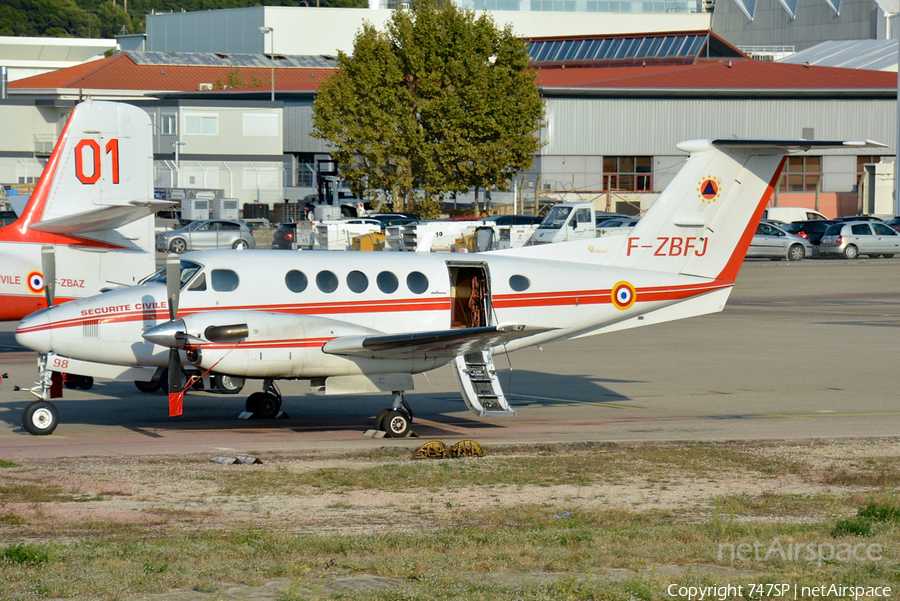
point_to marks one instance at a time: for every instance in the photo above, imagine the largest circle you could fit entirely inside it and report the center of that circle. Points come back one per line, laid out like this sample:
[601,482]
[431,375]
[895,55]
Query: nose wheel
[40,418]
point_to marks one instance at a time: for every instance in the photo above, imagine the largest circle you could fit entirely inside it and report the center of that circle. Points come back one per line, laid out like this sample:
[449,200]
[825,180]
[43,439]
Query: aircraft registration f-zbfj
[357,322]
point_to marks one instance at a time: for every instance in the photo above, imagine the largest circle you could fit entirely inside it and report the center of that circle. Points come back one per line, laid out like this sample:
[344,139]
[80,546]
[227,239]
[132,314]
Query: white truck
[576,221]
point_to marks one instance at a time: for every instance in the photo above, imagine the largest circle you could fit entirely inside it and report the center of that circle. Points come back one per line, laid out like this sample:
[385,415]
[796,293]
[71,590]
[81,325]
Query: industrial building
[617,103]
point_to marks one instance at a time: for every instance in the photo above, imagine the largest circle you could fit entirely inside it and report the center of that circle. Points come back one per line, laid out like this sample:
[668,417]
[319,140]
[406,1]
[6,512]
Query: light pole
[264,31]
[177,144]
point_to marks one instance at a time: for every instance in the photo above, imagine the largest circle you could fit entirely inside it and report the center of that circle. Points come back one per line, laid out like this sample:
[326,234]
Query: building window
[169,127]
[496,5]
[801,174]
[632,174]
[201,125]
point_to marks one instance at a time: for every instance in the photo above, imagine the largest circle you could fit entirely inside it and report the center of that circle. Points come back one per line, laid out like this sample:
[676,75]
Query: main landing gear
[265,404]
[396,421]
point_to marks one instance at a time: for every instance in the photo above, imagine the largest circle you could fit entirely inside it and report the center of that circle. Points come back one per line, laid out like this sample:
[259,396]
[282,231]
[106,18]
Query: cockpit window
[188,269]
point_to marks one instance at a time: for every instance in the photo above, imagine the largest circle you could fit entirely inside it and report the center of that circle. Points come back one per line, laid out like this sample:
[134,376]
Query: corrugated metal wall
[298,127]
[577,126]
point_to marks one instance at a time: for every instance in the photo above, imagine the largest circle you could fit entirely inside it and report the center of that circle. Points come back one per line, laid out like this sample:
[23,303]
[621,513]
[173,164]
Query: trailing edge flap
[102,219]
[442,343]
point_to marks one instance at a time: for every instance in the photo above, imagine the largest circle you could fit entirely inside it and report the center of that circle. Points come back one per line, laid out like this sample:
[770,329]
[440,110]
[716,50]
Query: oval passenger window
[357,281]
[326,281]
[519,283]
[296,281]
[223,280]
[387,282]
[417,282]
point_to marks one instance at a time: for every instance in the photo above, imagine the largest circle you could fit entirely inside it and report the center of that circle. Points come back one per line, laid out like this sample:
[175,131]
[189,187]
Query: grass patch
[25,554]
[33,493]
[5,463]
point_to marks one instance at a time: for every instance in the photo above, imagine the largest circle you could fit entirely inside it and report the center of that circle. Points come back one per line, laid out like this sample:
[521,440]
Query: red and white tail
[98,183]
[703,222]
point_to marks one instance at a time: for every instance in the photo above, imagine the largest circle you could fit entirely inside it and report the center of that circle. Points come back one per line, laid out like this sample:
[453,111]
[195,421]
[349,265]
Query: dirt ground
[186,493]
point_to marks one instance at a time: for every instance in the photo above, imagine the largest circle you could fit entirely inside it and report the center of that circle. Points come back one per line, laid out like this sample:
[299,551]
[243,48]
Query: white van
[791,214]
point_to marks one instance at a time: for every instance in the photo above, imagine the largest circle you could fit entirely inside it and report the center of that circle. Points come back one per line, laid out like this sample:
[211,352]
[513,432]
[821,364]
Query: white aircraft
[357,322]
[89,223]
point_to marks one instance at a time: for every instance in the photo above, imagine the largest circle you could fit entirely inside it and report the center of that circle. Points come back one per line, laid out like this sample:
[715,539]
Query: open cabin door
[470,295]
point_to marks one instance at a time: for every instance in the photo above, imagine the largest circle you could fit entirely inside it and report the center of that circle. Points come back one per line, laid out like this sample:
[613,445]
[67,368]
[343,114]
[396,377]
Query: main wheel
[177,246]
[396,424]
[85,382]
[796,252]
[164,380]
[263,404]
[40,418]
[148,387]
[229,384]
[241,245]
[875,256]
[851,252]
[70,381]
[890,256]
[379,419]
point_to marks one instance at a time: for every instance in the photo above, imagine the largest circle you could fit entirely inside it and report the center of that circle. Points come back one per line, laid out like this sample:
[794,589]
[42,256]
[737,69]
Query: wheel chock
[374,433]
[466,448]
[432,450]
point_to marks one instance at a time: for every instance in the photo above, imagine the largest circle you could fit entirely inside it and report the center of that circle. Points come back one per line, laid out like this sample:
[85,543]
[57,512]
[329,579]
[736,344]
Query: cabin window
[326,281]
[357,281]
[417,282]
[519,283]
[296,281]
[387,282]
[224,280]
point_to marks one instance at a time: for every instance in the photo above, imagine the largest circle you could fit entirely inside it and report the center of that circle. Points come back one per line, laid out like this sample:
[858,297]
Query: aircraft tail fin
[703,222]
[99,177]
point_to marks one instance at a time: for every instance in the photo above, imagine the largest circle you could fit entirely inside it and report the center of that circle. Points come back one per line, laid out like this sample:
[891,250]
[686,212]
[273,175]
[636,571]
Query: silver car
[776,244]
[856,238]
[209,233]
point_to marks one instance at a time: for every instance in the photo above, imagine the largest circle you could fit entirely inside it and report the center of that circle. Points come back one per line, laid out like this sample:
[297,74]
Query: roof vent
[204,87]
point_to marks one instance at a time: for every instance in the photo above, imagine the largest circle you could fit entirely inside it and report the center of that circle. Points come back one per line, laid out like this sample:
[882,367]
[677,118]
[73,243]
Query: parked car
[776,244]
[791,214]
[285,235]
[514,219]
[856,238]
[206,234]
[812,230]
[617,222]
[387,219]
[894,223]
[858,218]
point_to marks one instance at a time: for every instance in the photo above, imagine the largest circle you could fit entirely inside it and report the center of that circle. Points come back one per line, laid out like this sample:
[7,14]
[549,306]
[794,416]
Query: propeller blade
[48,268]
[173,283]
[175,383]
[231,333]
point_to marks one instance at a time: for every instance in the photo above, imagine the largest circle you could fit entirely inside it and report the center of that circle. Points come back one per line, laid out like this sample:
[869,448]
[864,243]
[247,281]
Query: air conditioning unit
[205,86]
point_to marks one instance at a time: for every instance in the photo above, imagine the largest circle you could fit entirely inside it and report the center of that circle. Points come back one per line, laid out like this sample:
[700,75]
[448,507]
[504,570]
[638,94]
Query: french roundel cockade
[623,295]
[36,282]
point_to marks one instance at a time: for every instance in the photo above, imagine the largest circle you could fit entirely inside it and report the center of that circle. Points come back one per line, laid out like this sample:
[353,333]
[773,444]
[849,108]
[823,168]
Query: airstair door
[470,295]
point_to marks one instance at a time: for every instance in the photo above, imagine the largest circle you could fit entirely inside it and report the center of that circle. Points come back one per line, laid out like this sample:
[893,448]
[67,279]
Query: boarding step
[480,386]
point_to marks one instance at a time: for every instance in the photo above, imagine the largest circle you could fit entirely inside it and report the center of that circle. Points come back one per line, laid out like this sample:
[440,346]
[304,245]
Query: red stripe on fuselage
[14,307]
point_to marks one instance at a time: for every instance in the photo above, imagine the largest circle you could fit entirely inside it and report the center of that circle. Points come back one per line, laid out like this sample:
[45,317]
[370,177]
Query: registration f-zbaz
[364,322]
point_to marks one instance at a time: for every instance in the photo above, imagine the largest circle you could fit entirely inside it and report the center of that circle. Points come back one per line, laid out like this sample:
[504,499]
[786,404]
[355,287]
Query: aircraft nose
[34,332]
[166,334]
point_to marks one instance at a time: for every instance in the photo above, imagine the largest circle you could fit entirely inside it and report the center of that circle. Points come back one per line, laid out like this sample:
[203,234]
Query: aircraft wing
[441,343]
[102,218]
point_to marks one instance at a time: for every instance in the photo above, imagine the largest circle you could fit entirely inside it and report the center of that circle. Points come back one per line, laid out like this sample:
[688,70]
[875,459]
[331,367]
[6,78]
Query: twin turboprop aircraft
[89,222]
[357,322]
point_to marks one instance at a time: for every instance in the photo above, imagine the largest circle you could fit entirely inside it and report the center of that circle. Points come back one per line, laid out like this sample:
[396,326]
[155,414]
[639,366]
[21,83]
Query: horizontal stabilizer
[796,144]
[443,343]
[101,219]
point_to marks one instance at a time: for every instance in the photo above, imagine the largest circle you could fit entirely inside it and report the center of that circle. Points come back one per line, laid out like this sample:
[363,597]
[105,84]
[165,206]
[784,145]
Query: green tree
[440,102]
